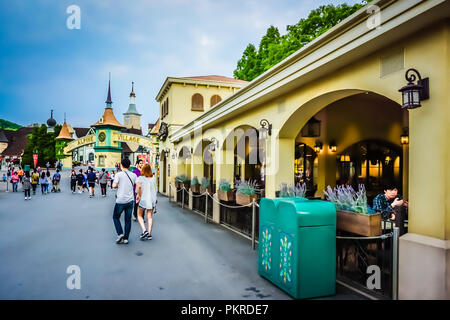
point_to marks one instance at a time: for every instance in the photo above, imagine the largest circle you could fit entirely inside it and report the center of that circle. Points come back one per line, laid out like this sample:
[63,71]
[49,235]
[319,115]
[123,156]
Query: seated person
[391,206]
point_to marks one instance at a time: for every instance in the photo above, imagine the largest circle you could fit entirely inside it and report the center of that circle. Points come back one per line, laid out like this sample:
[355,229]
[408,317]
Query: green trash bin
[26,167]
[268,250]
[303,246]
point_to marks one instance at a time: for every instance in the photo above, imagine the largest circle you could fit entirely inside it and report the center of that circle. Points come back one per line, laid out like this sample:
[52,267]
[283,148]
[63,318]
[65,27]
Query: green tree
[274,47]
[42,142]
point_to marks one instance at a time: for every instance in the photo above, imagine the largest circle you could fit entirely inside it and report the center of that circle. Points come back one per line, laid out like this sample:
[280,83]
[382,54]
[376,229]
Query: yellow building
[333,111]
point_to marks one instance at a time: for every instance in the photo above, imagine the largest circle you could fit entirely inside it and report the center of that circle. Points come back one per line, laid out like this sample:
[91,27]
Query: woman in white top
[146,197]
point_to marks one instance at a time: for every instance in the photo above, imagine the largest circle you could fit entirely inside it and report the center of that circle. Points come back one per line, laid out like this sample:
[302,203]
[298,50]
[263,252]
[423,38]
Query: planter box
[195,188]
[203,190]
[363,224]
[243,199]
[226,195]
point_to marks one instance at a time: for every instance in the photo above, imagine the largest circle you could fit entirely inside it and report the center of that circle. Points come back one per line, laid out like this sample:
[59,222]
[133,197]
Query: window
[215,99]
[165,108]
[197,102]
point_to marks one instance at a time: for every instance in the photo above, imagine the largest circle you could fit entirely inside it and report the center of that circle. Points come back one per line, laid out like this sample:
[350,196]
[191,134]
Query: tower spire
[132,94]
[108,99]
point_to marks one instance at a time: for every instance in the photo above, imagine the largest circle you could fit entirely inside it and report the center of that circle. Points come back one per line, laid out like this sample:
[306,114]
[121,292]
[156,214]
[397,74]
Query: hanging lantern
[414,93]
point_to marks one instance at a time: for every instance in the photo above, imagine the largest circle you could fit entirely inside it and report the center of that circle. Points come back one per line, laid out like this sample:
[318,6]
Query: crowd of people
[136,194]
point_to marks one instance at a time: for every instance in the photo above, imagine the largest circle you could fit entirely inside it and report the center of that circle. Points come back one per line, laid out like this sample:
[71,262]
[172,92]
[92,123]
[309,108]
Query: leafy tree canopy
[43,143]
[275,47]
[8,125]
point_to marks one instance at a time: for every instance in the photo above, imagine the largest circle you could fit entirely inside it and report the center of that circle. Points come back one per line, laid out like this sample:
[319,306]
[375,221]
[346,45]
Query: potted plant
[353,213]
[292,191]
[245,192]
[182,180]
[225,193]
[205,185]
[195,185]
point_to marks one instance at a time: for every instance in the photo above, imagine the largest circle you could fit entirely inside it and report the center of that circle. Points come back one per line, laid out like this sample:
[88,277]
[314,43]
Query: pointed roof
[108,99]
[155,127]
[132,106]
[3,137]
[64,133]
[108,119]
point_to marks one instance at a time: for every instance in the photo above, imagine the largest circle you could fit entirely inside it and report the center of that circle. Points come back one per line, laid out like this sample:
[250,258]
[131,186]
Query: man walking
[124,181]
[56,180]
[91,177]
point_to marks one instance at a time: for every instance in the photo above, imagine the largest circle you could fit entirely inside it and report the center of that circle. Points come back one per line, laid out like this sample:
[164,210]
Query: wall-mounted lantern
[318,146]
[332,146]
[404,138]
[412,93]
[311,128]
[265,130]
[214,143]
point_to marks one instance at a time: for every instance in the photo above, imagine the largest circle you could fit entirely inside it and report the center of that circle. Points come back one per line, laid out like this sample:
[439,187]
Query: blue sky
[44,65]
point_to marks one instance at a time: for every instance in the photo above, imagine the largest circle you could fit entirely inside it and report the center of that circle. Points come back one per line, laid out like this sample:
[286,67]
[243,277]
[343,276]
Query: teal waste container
[268,249]
[26,167]
[302,248]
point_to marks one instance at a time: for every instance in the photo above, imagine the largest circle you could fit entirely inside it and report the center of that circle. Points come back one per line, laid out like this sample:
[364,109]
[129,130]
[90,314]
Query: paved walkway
[187,259]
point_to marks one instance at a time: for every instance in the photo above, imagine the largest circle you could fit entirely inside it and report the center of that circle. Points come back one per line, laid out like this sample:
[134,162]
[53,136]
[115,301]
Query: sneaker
[125,241]
[134,218]
[26,198]
[144,235]
[119,239]
[149,237]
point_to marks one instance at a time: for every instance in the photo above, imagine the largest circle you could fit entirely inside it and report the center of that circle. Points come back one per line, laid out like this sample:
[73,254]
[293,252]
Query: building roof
[17,141]
[155,127]
[81,132]
[211,80]
[3,137]
[108,119]
[132,110]
[64,133]
[217,78]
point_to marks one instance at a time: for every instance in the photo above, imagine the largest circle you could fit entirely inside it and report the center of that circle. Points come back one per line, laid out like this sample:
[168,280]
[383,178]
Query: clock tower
[107,152]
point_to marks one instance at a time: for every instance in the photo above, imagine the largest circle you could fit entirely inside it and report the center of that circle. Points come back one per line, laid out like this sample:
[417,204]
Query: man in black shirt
[391,206]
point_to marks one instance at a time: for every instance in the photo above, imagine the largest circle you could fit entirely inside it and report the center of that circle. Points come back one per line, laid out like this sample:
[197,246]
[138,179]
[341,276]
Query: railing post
[253,224]
[182,197]
[206,206]
[7,183]
[169,191]
[395,237]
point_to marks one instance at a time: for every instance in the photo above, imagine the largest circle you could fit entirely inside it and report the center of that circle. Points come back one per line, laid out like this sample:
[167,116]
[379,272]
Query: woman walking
[102,180]
[48,181]
[26,185]
[43,182]
[34,181]
[15,181]
[146,197]
[73,181]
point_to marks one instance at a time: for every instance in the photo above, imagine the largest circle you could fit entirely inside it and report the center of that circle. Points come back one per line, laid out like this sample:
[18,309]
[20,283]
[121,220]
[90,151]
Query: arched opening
[353,139]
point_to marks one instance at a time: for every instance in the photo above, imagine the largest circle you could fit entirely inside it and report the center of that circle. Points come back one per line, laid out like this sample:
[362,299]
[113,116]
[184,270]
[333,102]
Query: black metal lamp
[332,146]
[412,93]
[318,146]
[214,143]
[266,129]
[404,138]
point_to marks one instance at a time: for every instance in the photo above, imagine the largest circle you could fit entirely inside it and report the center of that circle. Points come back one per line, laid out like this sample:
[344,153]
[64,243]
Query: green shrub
[224,185]
[247,187]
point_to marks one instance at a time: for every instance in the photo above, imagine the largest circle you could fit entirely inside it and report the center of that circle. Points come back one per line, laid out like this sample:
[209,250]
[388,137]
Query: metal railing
[355,254]
[207,195]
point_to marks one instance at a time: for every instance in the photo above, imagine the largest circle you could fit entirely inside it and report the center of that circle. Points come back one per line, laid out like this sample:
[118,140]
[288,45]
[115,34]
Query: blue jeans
[15,186]
[118,209]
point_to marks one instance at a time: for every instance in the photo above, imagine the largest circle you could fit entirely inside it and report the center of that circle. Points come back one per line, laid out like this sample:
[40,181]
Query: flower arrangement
[225,193]
[293,191]
[246,192]
[205,183]
[247,187]
[182,179]
[194,181]
[224,185]
[346,198]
